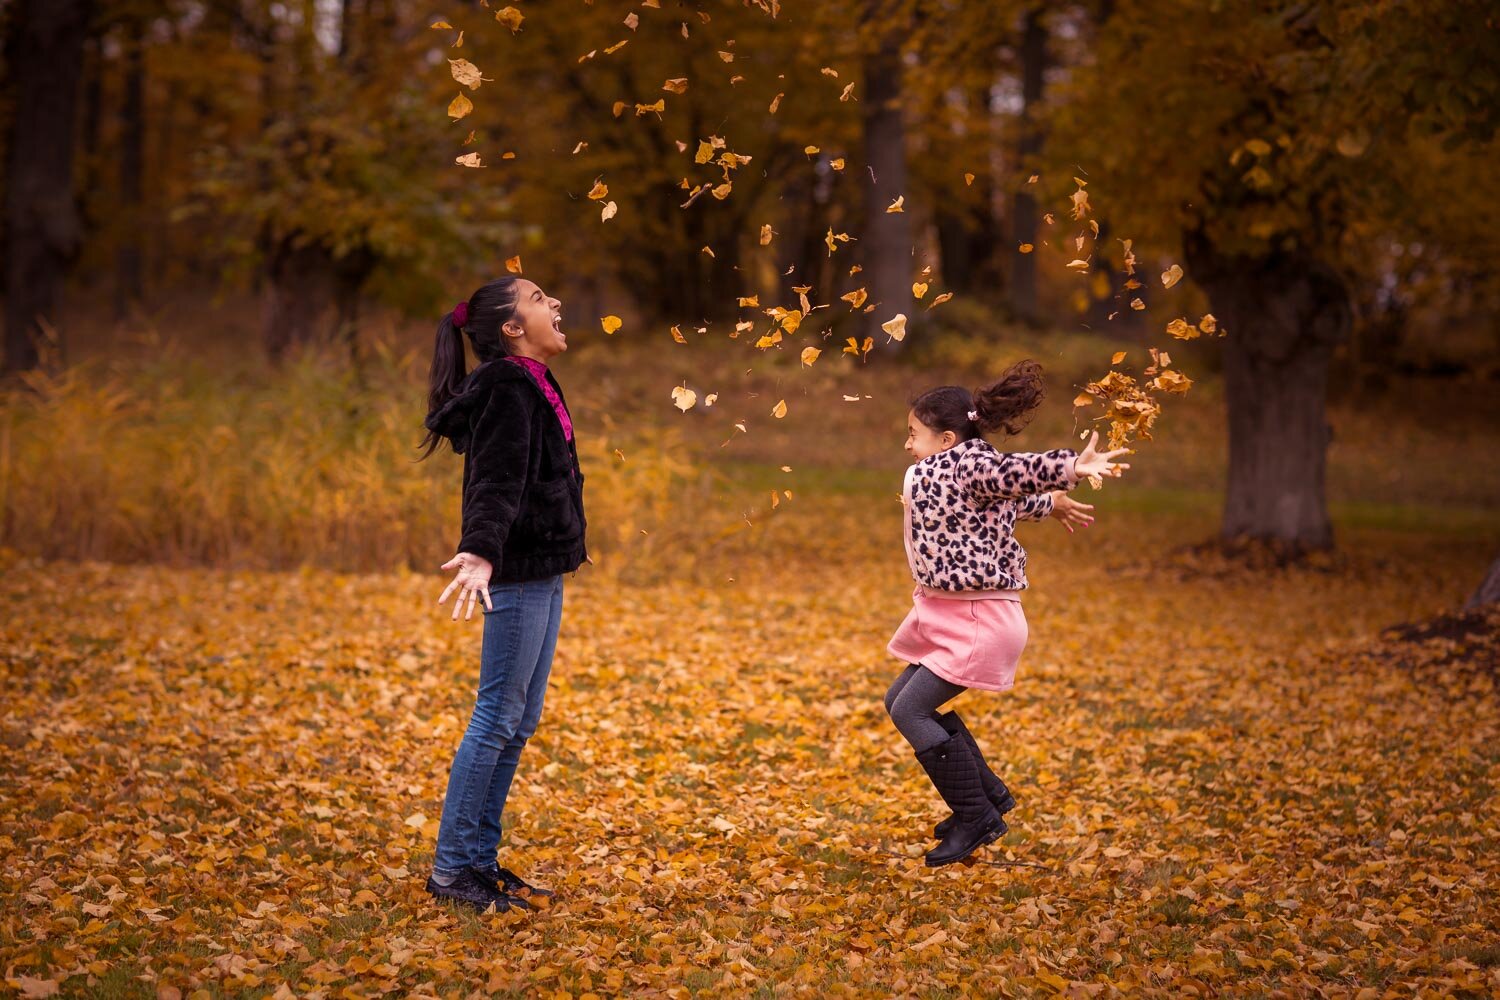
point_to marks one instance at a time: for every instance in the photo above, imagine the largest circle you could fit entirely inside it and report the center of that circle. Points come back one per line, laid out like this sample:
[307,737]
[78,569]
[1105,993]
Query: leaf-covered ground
[1231,783]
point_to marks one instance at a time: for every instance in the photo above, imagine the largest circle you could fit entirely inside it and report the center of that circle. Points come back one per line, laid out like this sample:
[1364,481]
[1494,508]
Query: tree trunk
[128,253]
[298,298]
[1283,316]
[1023,212]
[1489,590]
[43,227]
[887,245]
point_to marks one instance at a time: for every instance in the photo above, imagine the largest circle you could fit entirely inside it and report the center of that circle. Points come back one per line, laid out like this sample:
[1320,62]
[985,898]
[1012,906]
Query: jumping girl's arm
[502,441]
[1037,506]
[986,477]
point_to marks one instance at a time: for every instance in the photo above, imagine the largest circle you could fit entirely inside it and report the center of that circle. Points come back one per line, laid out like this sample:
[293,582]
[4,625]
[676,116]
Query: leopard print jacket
[962,506]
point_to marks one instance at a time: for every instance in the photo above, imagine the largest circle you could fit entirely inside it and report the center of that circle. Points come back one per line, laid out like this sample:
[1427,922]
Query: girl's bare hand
[472,583]
[1092,462]
[1070,512]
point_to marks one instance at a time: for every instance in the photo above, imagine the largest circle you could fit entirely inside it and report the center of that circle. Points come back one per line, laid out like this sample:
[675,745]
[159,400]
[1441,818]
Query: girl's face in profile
[536,330]
[923,442]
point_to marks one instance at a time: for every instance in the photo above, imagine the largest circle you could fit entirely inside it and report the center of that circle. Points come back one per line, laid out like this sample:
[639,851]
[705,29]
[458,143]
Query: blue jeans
[515,661]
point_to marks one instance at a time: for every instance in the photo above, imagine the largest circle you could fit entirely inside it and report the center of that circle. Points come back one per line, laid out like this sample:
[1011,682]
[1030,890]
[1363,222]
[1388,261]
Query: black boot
[994,788]
[955,775]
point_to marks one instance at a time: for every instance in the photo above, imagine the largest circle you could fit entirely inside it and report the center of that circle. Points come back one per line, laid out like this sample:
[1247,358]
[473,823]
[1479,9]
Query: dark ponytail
[481,318]
[1005,404]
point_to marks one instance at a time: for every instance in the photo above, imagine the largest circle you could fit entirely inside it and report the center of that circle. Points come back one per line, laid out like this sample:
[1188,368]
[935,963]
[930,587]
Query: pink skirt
[975,643]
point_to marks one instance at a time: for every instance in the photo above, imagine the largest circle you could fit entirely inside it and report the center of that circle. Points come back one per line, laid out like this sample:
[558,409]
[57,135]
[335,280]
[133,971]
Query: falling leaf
[1171,276]
[1118,357]
[918,289]
[1171,381]
[510,17]
[1208,324]
[848,94]
[833,238]
[678,85]
[837,163]
[513,264]
[1033,178]
[896,206]
[855,298]
[940,300]
[809,355]
[611,324]
[1137,304]
[968,180]
[468,160]
[1078,265]
[726,56]
[684,398]
[650,109]
[459,107]
[632,20]
[608,211]
[1080,203]
[775,103]
[710,399]
[442,25]
[1182,329]
[599,191]
[779,410]
[709,250]
[466,73]
[896,327]
[617,46]
[829,71]
[749,301]
[677,335]
[1026,248]
[765,235]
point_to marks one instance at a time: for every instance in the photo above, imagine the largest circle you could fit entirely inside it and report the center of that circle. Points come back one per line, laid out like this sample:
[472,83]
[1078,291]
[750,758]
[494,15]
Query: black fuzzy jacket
[523,489]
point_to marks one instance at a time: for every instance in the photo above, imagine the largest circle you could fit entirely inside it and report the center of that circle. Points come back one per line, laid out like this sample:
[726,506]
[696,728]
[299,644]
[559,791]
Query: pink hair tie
[460,314]
[973,415]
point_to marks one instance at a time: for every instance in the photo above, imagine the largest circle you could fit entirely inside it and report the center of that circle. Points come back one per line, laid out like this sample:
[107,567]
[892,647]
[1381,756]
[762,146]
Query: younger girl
[966,629]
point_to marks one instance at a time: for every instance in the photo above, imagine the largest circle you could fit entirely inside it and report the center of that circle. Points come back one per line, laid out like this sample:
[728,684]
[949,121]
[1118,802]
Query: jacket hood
[454,419]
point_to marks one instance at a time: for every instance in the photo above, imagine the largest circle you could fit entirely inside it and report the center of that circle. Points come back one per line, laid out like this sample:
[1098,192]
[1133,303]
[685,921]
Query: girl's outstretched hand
[1070,512]
[1092,462]
[472,582]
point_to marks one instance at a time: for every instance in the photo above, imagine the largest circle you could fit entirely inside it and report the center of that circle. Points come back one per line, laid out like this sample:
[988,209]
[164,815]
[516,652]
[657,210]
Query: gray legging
[913,702]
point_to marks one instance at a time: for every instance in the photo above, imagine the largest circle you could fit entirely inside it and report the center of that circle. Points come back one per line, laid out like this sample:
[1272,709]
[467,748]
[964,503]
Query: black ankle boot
[994,788]
[955,775]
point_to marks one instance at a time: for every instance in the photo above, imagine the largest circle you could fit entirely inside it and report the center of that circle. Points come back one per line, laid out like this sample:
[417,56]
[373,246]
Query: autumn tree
[42,225]
[1270,142]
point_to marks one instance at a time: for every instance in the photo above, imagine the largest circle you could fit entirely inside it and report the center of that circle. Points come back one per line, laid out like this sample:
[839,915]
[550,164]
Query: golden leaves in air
[684,398]
[939,300]
[1171,276]
[895,327]
[855,298]
[599,191]
[466,73]
[809,355]
[611,324]
[918,289]
[468,160]
[779,410]
[511,17]
[676,86]
[608,211]
[513,264]
[459,107]
[897,205]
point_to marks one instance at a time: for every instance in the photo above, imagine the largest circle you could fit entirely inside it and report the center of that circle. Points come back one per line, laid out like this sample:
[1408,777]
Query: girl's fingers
[469,607]
[488,605]
[451,563]
[446,591]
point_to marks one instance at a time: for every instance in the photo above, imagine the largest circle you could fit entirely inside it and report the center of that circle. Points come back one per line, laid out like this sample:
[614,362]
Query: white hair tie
[973,415]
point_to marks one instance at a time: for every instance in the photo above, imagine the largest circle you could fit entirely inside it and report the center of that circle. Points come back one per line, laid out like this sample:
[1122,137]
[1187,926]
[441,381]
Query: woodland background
[1254,735]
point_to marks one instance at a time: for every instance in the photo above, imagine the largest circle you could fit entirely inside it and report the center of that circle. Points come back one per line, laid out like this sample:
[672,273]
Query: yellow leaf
[918,289]
[811,150]
[510,17]
[940,300]
[416,821]
[468,160]
[855,298]
[611,324]
[465,73]
[1208,324]
[608,211]
[779,410]
[677,335]
[809,355]
[599,191]
[441,25]
[1078,265]
[895,206]
[837,164]
[722,191]
[632,20]
[1082,399]
[1171,276]
[711,399]
[459,107]
[766,234]
[1026,248]
[968,180]
[848,94]
[513,264]
[1182,330]
[617,47]
[775,103]
[684,398]
[1118,357]
[648,109]
[679,85]
[749,302]
[1137,305]
[896,326]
